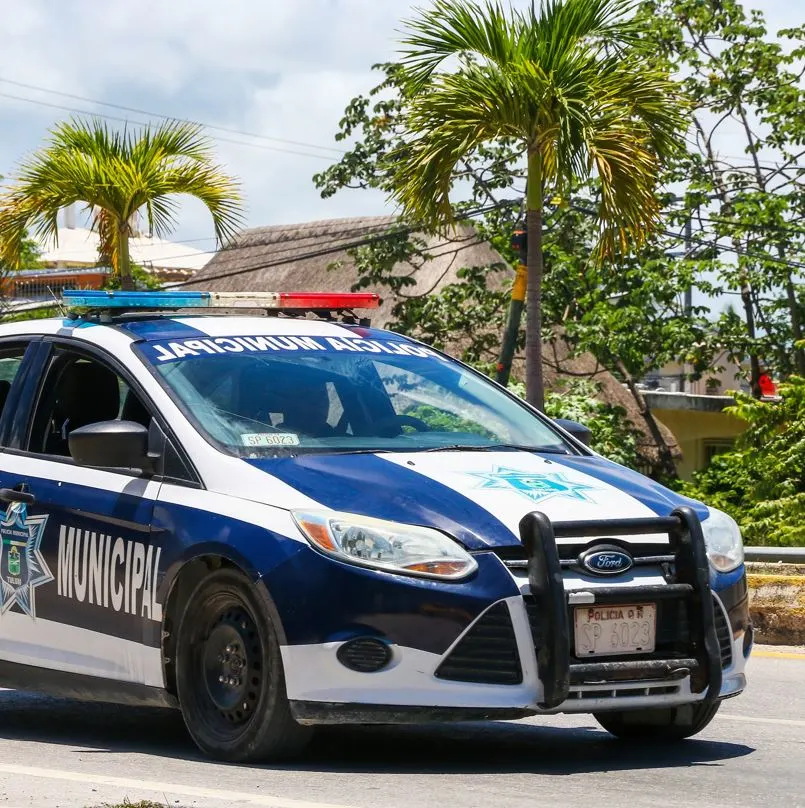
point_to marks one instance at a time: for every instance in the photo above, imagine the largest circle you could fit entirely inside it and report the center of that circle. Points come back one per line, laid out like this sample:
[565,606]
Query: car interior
[78,392]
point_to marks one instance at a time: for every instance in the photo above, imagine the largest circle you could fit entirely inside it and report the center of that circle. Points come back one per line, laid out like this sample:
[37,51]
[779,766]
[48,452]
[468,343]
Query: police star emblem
[537,487]
[22,565]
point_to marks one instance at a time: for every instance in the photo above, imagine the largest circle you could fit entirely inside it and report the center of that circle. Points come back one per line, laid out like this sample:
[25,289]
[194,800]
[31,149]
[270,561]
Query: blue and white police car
[282,520]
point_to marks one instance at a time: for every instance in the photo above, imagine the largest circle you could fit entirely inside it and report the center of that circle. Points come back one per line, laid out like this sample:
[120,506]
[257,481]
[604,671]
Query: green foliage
[747,92]
[118,175]
[568,81]
[439,420]
[631,318]
[761,481]
[140,278]
[466,316]
[613,435]
[32,314]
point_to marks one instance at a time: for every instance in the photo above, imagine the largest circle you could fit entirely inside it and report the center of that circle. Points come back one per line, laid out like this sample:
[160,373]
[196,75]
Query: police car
[282,520]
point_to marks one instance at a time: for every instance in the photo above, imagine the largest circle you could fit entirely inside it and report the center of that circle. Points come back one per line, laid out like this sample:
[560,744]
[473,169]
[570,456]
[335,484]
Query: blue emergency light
[300,301]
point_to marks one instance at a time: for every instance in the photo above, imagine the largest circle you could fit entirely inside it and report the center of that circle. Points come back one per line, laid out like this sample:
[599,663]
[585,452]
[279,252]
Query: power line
[758,227]
[393,233]
[722,158]
[722,247]
[137,111]
[118,119]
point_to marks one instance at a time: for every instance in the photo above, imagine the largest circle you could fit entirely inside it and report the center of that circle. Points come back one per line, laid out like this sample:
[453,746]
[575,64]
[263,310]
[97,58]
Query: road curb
[777,603]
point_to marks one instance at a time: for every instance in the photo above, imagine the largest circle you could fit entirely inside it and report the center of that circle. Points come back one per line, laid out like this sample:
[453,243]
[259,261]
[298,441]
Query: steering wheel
[403,420]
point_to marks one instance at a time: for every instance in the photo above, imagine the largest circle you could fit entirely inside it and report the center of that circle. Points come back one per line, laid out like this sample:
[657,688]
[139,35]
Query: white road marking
[753,720]
[164,788]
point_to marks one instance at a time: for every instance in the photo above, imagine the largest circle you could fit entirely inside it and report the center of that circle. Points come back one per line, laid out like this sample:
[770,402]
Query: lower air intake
[487,653]
[723,633]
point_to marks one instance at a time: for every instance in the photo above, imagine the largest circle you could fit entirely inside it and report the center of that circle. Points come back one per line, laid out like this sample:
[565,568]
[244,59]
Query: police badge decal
[22,565]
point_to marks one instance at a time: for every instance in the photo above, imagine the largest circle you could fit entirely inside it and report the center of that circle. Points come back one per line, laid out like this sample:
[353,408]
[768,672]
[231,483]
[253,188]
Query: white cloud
[282,68]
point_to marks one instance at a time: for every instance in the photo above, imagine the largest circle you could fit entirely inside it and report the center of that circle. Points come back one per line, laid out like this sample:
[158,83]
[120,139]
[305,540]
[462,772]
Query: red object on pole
[767,386]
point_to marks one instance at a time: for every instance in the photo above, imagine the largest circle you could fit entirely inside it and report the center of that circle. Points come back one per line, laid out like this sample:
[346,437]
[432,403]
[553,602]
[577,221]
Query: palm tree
[118,175]
[569,81]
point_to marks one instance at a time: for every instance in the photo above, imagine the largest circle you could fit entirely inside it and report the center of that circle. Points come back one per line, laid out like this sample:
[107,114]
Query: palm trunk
[123,267]
[535,388]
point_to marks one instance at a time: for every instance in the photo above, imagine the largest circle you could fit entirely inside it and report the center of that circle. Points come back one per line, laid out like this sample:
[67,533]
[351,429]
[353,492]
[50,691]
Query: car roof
[161,327]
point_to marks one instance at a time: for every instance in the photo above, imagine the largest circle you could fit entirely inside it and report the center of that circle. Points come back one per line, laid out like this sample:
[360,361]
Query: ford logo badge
[606,560]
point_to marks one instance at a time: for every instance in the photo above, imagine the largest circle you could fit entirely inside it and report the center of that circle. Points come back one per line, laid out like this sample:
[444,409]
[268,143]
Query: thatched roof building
[313,257]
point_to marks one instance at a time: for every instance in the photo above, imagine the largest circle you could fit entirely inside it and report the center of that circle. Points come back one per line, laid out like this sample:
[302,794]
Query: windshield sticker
[533,485]
[270,439]
[161,352]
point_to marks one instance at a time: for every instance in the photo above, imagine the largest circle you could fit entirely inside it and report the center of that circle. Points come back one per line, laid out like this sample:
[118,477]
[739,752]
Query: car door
[79,564]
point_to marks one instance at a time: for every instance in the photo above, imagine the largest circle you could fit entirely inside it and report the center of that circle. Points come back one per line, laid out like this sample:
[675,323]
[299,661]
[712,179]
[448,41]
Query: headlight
[725,548]
[389,546]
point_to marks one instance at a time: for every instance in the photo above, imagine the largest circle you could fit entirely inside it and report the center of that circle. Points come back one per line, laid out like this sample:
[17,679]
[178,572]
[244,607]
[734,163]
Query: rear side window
[11,357]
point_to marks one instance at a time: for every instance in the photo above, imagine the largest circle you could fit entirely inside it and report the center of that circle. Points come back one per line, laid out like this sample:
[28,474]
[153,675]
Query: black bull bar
[692,578]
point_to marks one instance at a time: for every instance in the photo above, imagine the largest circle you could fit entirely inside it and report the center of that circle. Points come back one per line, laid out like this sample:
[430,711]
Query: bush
[761,481]
[613,435]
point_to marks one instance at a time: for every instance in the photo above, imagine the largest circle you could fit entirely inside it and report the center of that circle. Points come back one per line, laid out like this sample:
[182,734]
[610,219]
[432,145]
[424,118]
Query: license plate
[617,629]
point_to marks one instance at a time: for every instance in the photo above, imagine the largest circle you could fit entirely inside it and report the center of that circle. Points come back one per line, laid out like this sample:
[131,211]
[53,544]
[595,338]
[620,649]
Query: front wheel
[229,675]
[659,724]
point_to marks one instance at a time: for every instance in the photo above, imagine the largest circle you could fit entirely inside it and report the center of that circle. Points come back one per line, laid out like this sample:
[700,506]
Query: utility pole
[509,344]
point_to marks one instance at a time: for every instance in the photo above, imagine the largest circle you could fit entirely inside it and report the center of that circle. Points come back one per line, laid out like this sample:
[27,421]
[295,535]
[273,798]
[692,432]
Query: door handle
[13,495]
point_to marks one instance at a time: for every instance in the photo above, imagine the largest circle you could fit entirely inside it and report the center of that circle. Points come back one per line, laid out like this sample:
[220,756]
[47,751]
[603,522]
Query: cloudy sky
[283,69]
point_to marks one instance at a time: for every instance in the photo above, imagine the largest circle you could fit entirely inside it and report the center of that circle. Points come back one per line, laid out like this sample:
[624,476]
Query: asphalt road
[72,755]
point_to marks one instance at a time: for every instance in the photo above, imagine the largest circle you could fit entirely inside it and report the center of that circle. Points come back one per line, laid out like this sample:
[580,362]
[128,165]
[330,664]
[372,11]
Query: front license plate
[613,630]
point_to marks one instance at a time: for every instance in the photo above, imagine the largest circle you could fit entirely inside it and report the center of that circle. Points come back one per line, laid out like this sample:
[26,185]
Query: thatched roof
[278,258]
[287,258]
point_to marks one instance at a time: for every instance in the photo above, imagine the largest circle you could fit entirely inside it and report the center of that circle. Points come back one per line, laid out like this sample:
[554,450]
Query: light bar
[114,299]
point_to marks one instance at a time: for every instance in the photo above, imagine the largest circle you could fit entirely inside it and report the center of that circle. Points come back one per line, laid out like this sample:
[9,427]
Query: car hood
[477,497]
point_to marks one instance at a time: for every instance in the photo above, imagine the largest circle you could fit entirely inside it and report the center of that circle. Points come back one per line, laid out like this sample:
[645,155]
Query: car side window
[78,391]
[10,363]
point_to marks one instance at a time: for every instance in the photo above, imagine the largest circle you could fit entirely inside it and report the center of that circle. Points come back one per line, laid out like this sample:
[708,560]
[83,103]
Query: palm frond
[454,27]
[116,173]
[561,26]
[566,80]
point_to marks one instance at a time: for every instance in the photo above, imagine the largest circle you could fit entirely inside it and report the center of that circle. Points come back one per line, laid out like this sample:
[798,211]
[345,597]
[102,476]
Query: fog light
[364,655]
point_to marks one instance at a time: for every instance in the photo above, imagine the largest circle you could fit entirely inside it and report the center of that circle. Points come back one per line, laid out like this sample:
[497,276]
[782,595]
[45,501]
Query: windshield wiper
[492,447]
[336,450]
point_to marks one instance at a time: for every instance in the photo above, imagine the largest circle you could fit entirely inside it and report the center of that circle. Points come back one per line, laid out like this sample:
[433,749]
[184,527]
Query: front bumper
[516,659]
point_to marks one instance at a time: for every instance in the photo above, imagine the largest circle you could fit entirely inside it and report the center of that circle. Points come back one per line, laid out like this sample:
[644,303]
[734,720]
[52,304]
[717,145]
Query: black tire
[659,724]
[229,676]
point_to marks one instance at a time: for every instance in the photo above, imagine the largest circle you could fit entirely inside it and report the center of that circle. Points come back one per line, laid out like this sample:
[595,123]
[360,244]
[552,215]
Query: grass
[755,581]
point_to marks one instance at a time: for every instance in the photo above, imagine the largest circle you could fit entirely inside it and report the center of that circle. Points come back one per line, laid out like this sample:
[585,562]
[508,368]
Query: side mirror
[111,444]
[577,430]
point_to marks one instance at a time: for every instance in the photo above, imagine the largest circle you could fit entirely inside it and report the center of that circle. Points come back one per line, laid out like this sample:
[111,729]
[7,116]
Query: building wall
[730,377]
[45,284]
[700,435]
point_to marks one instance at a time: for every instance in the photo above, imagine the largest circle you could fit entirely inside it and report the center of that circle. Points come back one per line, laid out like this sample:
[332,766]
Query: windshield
[257,396]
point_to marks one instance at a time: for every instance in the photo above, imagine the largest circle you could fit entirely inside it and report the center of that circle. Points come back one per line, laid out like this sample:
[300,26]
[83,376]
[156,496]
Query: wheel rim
[228,661]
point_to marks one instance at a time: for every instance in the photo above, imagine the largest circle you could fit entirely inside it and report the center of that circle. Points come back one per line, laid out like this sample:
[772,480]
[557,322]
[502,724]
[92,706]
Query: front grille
[622,692]
[673,629]
[533,622]
[516,556]
[723,633]
[487,654]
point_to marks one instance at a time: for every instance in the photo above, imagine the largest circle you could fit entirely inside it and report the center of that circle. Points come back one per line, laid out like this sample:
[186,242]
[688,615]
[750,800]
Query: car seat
[86,393]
